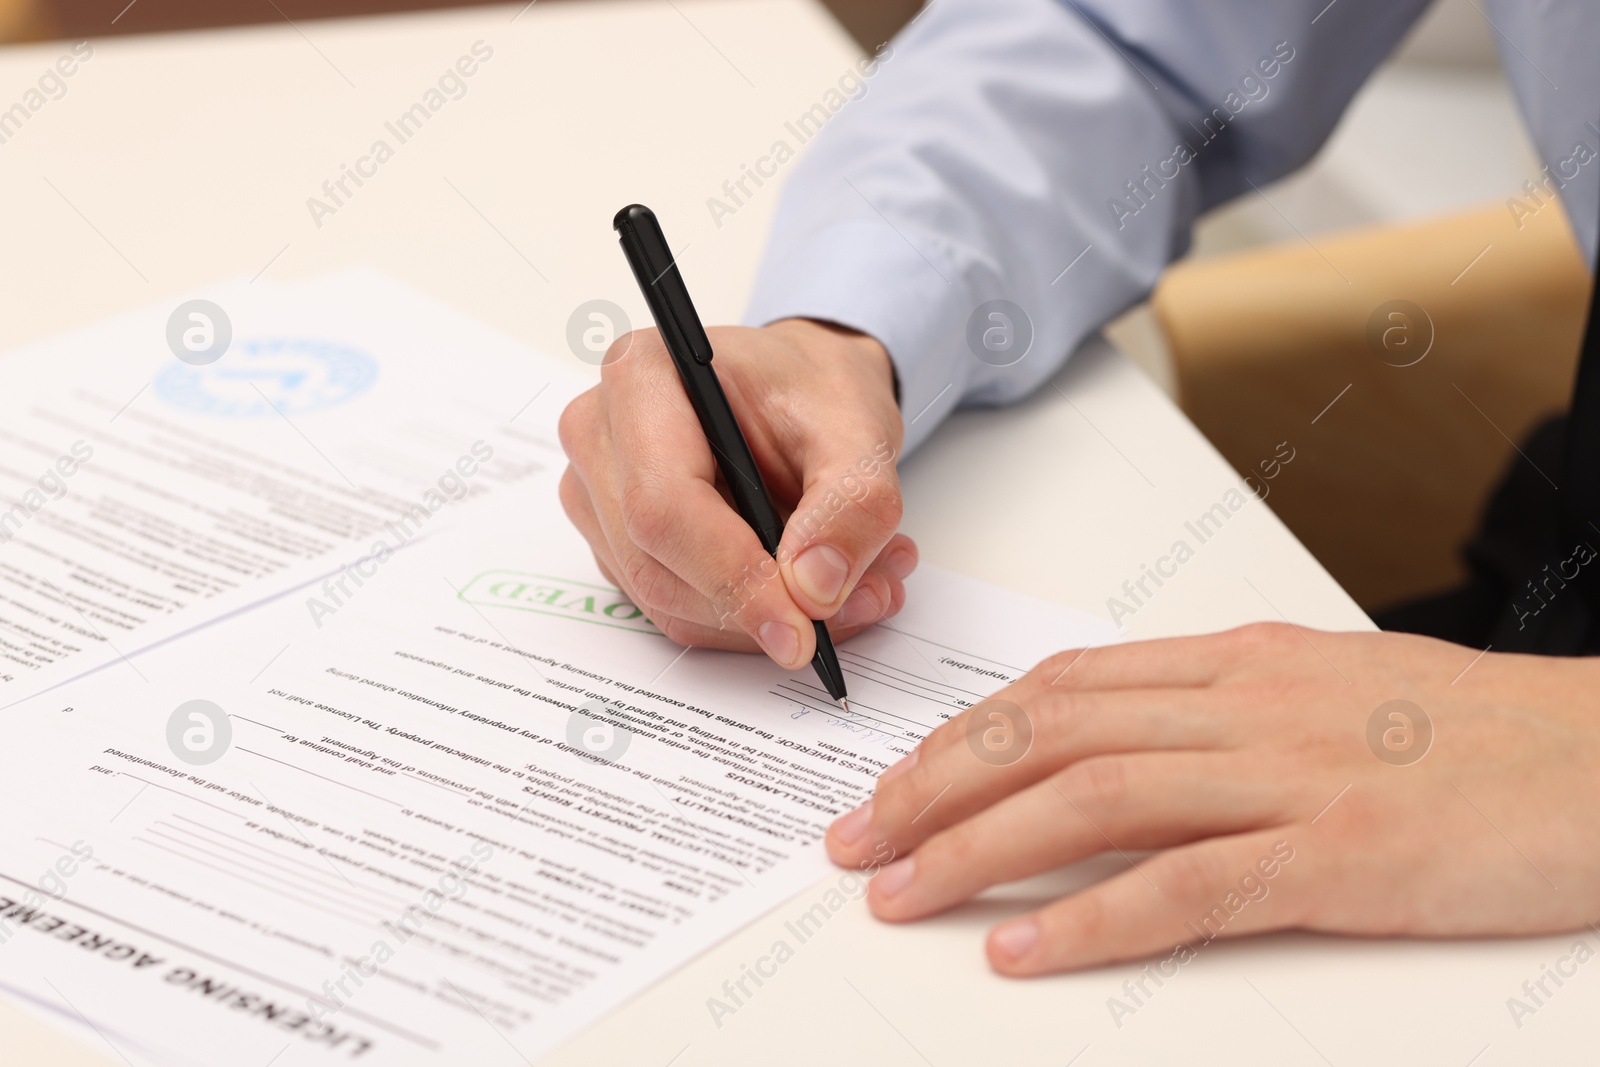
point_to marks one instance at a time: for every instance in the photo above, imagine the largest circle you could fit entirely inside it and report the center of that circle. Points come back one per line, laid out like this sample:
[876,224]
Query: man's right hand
[816,403]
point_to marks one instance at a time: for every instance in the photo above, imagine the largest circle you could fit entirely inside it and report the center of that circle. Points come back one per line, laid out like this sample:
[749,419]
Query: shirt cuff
[865,276]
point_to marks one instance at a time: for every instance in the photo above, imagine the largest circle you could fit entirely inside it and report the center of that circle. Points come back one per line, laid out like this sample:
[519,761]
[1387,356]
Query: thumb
[848,511]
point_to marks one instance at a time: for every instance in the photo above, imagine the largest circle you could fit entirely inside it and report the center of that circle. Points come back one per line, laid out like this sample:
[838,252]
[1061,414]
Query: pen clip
[656,269]
[699,350]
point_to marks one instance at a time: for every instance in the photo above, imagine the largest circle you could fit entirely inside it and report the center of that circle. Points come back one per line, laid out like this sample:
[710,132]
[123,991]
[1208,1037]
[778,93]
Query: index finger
[669,505]
[1163,663]
[949,778]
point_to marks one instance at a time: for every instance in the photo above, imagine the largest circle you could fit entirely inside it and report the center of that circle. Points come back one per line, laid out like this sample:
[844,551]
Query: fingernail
[899,767]
[901,562]
[847,829]
[860,609]
[895,877]
[780,641]
[820,571]
[1017,937]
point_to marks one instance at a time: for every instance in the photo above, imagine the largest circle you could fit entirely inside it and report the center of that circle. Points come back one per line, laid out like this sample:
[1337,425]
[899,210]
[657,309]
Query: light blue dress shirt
[1055,153]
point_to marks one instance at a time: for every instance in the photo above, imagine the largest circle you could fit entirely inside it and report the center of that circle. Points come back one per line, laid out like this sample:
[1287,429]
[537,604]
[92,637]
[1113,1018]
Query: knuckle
[677,630]
[578,422]
[747,594]
[955,851]
[1056,715]
[1081,920]
[946,735]
[572,488]
[902,784]
[899,801]
[650,586]
[1051,665]
[892,817]
[1263,638]
[647,514]
[884,505]
[1188,875]
[614,368]
[1058,669]
[572,493]
[1097,785]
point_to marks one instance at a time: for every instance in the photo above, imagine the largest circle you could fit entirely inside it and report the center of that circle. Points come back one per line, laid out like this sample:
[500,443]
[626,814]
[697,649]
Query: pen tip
[843,703]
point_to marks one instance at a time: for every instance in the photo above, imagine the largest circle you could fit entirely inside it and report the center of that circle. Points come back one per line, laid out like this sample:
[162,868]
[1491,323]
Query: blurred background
[1410,198]
[869,21]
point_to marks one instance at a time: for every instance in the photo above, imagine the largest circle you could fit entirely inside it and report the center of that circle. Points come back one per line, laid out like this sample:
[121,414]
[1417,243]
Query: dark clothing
[1533,578]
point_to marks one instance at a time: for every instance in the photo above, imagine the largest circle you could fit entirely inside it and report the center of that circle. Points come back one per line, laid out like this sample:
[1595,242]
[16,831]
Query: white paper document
[143,494]
[479,807]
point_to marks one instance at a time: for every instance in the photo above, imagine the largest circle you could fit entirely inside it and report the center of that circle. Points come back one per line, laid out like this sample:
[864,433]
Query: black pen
[656,270]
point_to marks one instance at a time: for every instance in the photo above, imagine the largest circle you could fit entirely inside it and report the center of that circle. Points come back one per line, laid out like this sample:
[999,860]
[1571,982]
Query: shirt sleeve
[1012,174]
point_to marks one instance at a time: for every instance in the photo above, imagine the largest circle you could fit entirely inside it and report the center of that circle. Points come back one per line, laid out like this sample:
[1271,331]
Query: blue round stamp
[270,376]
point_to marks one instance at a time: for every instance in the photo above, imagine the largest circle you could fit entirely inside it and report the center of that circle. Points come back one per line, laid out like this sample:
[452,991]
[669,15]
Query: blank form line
[810,691]
[314,774]
[852,718]
[181,793]
[264,725]
[958,651]
[195,950]
[834,711]
[866,675]
[919,679]
[276,887]
[327,891]
[246,843]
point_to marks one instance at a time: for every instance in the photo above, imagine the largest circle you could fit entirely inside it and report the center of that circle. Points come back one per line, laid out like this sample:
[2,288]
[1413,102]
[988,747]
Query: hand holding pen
[816,406]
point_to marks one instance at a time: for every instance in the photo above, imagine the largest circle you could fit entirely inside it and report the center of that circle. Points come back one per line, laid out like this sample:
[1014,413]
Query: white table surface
[179,160]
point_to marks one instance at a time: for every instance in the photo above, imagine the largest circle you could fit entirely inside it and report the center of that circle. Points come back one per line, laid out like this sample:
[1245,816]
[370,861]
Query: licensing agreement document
[166,468]
[481,806]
